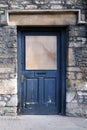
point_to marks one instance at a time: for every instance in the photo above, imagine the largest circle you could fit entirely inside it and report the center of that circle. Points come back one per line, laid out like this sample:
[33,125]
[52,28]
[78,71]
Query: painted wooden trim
[62,67]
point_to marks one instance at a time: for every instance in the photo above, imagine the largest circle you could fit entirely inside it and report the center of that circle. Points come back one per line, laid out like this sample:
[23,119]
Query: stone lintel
[42,17]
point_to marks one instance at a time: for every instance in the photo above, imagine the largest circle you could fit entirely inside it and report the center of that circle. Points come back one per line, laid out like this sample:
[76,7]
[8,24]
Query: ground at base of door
[42,122]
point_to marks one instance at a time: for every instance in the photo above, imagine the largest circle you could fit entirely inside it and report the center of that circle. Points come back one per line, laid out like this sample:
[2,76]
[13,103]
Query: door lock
[22,79]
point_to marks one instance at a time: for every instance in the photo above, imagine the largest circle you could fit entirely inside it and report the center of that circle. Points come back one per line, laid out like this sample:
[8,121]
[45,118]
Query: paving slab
[42,122]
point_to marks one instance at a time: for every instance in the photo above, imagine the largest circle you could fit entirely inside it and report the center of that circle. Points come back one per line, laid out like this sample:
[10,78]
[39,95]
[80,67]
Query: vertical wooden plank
[50,86]
[41,91]
[32,91]
[20,90]
[63,73]
[58,76]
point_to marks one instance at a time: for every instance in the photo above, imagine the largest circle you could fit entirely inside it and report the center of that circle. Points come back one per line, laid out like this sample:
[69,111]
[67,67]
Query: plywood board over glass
[41,53]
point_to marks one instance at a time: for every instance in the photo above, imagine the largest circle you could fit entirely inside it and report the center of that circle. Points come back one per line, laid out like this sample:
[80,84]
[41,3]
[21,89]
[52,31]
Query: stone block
[56,7]
[84,39]
[25,2]
[73,69]
[71,57]
[43,19]
[6,70]
[70,106]
[55,2]
[75,44]
[3,6]
[12,45]
[71,33]
[11,114]
[13,102]
[76,110]
[76,85]
[44,6]
[17,6]
[31,7]
[2,111]
[71,75]
[40,2]
[70,96]
[79,76]
[2,103]
[4,76]
[8,111]
[13,75]
[82,98]
[8,86]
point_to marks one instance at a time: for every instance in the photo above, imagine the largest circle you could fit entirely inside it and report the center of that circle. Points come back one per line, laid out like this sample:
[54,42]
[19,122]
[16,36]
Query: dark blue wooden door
[40,72]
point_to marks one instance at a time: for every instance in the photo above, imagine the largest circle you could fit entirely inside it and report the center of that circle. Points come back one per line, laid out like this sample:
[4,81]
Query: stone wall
[76,86]
[8,70]
[77,71]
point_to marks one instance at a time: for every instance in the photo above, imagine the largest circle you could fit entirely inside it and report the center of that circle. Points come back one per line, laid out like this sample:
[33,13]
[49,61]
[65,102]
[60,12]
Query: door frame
[63,59]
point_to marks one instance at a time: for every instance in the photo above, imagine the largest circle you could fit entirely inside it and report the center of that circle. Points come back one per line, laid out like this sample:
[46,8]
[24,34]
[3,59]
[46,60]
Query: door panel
[40,55]
[50,90]
[31,91]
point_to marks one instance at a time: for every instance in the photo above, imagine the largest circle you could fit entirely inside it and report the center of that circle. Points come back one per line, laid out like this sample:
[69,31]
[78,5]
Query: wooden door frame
[63,59]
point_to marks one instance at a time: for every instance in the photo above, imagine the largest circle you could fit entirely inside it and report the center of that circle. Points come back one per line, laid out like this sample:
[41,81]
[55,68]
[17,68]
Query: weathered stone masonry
[77,71]
[76,79]
[8,70]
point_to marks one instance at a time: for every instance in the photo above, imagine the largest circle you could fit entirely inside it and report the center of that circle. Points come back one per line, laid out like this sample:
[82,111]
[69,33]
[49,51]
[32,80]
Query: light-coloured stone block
[70,96]
[79,76]
[56,7]
[11,114]
[71,57]
[73,69]
[9,111]
[42,19]
[71,75]
[8,86]
[31,7]
[2,103]
[13,101]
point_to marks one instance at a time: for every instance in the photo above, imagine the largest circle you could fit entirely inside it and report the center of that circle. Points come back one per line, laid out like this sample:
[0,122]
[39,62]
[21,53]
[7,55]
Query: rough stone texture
[8,70]
[76,84]
[77,71]
[8,111]
[11,89]
[13,101]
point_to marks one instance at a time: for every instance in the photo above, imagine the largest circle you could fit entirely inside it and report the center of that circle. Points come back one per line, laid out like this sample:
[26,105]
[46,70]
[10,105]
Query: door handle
[22,78]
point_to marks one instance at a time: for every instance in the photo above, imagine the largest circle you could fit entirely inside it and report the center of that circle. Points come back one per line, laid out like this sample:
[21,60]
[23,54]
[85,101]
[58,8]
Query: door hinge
[22,78]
